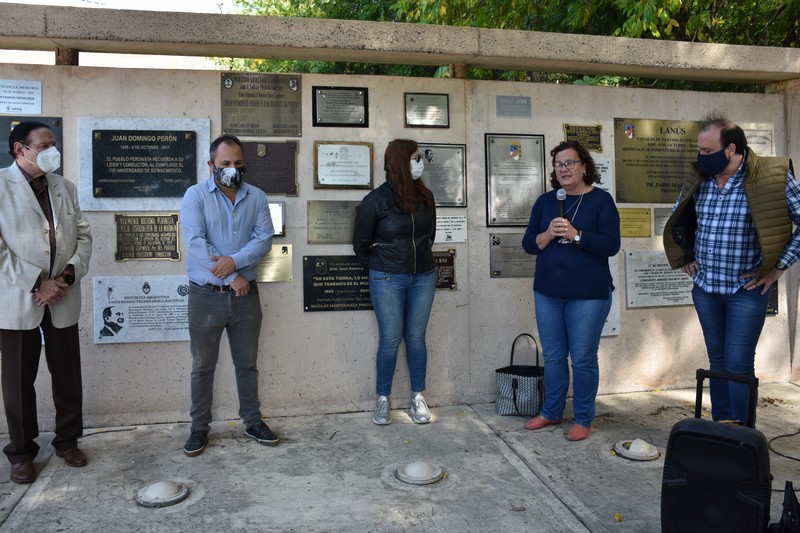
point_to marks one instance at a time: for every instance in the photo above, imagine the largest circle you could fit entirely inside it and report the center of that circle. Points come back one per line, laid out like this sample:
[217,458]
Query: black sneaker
[262,434]
[196,443]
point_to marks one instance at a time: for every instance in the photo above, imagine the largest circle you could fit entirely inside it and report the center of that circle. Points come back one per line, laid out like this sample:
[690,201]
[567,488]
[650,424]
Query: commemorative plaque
[451,228]
[515,177]
[342,165]
[653,158]
[277,212]
[272,166]
[650,282]
[445,173]
[276,265]
[426,110]
[8,122]
[588,136]
[261,105]
[634,222]
[143,163]
[132,309]
[147,237]
[331,221]
[445,269]
[507,258]
[513,106]
[341,107]
[335,283]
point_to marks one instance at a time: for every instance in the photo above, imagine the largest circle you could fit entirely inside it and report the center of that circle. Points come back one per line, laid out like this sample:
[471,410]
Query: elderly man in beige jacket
[45,245]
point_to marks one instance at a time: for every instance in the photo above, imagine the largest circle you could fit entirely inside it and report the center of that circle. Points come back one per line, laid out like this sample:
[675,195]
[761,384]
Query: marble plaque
[650,282]
[331,221]
[86,127]
[507,258]
[140,309]
[451,228]
[445,173]
[342,165]
[256,104]
[335,283]
[21,96]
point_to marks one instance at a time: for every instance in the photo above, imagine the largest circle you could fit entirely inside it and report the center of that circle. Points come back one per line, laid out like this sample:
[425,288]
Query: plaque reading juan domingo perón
[147,237]
[335,283]
[143,163]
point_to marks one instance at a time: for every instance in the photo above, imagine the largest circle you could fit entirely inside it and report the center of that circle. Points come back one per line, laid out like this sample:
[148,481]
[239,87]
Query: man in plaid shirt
[731,231]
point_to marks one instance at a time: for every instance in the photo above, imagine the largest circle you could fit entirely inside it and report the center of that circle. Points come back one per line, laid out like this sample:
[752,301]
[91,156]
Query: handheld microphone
[561,195]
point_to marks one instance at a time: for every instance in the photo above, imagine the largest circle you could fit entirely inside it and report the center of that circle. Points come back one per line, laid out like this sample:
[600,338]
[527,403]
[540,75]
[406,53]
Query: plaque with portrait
[427,110]
[346,107]
[445,173]
[342,165]
[515,177]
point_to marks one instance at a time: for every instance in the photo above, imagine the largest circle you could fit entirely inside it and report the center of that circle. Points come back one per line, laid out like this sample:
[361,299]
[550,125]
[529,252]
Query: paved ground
[337,473]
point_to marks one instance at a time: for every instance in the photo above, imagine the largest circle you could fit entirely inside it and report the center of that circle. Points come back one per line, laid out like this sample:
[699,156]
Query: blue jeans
[570,328]
[731,326]
[211,312]
[402,304]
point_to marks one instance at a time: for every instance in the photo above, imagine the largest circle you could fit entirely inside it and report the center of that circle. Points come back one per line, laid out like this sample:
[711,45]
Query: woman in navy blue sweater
[572,284]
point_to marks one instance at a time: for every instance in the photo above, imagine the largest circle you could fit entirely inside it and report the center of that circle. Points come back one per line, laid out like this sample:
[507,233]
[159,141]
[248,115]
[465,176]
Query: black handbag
[790,516]
[520,388]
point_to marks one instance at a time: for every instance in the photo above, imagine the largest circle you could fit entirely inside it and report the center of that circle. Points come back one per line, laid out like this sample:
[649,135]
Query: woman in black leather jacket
[394,230]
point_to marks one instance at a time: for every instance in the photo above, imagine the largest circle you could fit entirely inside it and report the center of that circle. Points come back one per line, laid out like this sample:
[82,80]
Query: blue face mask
[712,164]
[229,176]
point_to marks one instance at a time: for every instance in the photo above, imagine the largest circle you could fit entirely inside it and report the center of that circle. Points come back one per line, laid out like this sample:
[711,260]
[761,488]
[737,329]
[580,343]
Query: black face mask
[229,176]
[712,164]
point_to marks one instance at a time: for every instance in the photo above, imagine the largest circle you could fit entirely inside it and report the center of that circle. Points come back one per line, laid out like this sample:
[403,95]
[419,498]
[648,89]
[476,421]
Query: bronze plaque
[331,221]
[143,163]
[272,166]
[445,269]
[588,136]
[634,221]
[147,237]
[276,265]
[261,105]
[652,158]
[335,283]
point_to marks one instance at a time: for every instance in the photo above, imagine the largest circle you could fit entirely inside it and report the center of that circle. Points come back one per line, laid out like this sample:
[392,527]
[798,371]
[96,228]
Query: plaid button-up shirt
[726,245]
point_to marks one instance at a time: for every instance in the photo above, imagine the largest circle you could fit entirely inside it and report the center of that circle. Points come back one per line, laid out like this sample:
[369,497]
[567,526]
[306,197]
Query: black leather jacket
[389,240]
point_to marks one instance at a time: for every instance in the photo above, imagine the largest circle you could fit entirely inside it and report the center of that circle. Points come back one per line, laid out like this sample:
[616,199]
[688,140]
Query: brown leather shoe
[73,457]
[23,472]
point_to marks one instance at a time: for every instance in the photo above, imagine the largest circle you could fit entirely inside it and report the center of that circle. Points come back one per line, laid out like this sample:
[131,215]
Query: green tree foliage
[747,22]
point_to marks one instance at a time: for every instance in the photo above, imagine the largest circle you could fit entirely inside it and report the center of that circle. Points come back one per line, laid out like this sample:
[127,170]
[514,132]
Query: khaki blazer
[25,249]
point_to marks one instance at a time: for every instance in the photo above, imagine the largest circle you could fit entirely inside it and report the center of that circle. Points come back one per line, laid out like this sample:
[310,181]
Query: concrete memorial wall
[323,361]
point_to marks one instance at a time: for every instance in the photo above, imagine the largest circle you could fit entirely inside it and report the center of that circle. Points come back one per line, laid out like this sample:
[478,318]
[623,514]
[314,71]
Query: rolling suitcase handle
[752,391]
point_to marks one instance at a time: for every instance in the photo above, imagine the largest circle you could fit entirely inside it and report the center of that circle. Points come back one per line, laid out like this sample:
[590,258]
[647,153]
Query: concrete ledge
[27,27]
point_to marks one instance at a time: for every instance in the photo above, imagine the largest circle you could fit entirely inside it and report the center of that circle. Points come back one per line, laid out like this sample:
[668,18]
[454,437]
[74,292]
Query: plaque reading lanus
[147,237]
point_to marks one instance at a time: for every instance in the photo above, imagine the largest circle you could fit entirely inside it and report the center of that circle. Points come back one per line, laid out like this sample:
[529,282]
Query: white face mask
[416,169]
[48,160]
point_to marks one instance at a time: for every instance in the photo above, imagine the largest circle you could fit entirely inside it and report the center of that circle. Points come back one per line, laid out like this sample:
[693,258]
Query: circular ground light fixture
[419,473]
[162,494]
[636,450]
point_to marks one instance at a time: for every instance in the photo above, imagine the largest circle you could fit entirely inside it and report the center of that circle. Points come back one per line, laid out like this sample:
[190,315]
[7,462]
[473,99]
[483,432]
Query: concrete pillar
[459,71]
[67,56]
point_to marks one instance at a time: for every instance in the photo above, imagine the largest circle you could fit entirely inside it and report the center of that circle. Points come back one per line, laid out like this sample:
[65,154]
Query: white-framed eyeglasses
[569,164]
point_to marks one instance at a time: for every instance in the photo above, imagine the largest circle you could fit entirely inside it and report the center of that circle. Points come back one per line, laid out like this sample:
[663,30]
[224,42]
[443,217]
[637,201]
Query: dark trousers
[20,364]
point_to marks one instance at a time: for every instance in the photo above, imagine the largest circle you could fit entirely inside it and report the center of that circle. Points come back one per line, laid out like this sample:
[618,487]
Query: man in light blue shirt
[228,230]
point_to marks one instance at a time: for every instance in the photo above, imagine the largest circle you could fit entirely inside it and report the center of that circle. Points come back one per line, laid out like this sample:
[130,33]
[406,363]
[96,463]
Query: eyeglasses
[417,159]
[569,164]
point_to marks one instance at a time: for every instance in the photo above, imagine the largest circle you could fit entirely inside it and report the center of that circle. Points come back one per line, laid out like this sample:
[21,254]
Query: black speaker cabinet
[716,476]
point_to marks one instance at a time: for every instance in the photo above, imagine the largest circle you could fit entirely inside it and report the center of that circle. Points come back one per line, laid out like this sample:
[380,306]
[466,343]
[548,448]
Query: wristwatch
[780,265]
[577,239]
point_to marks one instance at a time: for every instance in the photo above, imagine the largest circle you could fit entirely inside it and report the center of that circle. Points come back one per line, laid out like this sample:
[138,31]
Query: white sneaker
[381,415]
[420,413]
